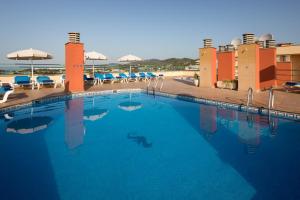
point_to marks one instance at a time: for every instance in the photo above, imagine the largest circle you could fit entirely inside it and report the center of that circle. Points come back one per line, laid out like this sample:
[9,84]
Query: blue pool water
[134,146]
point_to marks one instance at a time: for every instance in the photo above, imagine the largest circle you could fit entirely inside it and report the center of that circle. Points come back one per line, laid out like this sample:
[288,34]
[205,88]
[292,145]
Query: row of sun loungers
[25,81]
[122,77]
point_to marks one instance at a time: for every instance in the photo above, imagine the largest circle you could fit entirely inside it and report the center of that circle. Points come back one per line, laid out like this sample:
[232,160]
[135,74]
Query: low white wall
[8,79]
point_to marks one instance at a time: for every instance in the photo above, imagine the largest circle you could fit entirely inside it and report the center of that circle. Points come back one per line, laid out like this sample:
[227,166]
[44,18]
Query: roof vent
[229,47]
[270,44]
[222,48]
[248,38]
[207,43]
[74,37]
[260,43]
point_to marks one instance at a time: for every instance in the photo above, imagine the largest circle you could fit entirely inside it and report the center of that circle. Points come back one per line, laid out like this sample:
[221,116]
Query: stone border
[241,107]
[238,107]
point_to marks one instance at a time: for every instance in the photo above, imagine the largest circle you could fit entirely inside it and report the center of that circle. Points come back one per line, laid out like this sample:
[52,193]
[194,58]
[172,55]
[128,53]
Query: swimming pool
[137,146]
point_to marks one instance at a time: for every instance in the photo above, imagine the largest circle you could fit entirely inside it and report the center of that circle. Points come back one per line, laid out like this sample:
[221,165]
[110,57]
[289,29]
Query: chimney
[261,44]
[74,37]
[248,38]
[270,44]
[207,43]
[222,48]
[229,47]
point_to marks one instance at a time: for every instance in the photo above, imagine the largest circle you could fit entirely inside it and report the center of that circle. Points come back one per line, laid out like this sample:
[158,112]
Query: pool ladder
[271,100]
[155,83]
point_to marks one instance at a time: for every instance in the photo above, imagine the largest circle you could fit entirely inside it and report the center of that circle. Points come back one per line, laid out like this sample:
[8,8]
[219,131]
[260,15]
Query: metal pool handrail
[271,99]
[155,84]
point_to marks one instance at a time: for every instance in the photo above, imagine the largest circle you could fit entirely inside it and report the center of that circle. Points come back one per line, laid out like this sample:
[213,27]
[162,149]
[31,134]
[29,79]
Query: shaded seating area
[44,81]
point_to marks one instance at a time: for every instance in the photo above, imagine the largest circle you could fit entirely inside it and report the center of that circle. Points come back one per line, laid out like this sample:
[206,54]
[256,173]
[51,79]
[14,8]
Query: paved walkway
[289,102]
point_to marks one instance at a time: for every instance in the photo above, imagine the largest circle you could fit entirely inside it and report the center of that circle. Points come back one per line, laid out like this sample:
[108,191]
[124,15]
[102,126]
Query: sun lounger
[144,76]
[109,77]
[21,81]
[89,79]
[99,78]
[124,77]
[5,91]
[44,81]
[154,76]
[133,77]
[62,80]
[292,86]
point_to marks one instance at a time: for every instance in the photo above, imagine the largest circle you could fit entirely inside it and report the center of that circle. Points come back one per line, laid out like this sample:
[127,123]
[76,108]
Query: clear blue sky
[146,28]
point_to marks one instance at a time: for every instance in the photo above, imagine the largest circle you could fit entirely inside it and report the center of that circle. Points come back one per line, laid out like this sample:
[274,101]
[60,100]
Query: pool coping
[222,104]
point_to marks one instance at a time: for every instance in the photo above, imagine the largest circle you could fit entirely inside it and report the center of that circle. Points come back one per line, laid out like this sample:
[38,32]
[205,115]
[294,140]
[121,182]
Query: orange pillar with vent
[74,55]
[208,74]
[267,68]
[226,62]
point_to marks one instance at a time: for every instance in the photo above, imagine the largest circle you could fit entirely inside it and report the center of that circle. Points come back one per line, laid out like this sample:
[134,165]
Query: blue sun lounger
[89,79]
[124,77]
[44,80]
[22,81]
[292,86]
[133,77]
[144,76]
[5,91]
[99,78]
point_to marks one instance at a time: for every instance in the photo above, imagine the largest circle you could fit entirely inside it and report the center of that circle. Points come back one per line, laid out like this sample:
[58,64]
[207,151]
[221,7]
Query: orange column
[248,67]
[226,61]
[74,53]
[267,66]
[208,59]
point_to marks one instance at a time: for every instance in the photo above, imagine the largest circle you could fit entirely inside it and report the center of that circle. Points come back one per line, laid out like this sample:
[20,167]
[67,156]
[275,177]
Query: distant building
[290,53]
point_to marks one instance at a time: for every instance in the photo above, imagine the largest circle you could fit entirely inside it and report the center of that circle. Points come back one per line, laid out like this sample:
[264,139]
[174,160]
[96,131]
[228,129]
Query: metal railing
[155,82]
[271,99]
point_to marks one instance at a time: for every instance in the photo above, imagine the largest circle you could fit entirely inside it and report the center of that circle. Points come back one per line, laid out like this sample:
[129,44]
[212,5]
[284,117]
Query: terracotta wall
[267,65]
[74,53]
[226,62]
[295,59]
[208,59]
[283,72]
[248,68]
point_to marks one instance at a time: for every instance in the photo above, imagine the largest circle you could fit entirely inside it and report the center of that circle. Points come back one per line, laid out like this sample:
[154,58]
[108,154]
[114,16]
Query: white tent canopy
[29,54]
[93,55]
[129,58]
